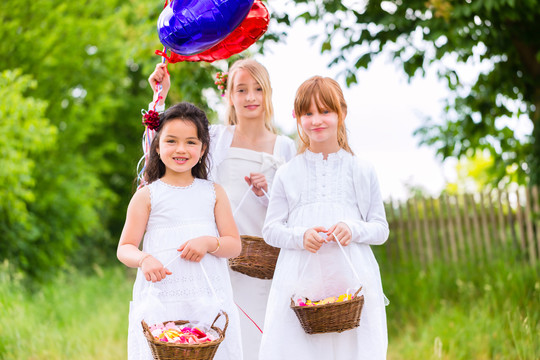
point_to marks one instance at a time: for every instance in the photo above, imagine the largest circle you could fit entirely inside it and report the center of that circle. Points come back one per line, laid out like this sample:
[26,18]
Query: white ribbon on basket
[203,271]
[244,197]
[151,291]
[362,291]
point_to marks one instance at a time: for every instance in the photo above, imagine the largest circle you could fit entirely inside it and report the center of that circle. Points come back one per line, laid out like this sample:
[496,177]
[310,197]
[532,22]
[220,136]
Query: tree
[28,135]
[88,63]
[423,33]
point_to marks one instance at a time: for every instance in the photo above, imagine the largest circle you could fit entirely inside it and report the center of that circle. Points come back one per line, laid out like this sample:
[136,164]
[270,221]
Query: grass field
[449,312]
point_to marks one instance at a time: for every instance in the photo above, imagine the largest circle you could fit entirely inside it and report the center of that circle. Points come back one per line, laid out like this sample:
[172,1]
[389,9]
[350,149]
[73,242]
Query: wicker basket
[333,317]
[172,351]
[257,259]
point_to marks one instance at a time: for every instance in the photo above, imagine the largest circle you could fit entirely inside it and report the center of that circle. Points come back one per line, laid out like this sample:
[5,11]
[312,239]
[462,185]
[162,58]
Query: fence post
[485,229]
[400,235]
[468,229]
[493,220]
[479,254]
[500,216]
[459,226]
[428,241]
[419,237]
[408,230]
[442,230]
[520,232]
[450,225]
[528,222]
[537,216]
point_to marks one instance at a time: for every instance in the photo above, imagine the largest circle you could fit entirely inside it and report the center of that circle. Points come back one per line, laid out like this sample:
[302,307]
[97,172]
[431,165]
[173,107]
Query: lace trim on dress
[319,156]
[178,187]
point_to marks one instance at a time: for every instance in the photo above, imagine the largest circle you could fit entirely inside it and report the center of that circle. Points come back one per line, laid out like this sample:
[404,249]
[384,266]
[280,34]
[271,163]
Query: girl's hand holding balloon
[153,269]
[342,232]
[259,183]
[196,248]
[160,76]
[313,240]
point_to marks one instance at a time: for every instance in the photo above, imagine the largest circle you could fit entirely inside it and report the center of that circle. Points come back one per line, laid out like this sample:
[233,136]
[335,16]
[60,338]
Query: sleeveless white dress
[177,215]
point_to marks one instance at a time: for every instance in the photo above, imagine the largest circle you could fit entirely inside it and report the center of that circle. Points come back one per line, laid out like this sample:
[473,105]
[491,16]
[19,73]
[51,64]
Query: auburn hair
[327,95]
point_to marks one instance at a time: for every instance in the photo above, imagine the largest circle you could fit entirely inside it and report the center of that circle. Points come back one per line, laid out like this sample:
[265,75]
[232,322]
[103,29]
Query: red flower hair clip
[221,81]
[150,119]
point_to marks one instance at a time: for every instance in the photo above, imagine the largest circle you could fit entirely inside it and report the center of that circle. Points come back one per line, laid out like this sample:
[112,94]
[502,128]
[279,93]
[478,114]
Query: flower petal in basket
[172,351]
[332,317]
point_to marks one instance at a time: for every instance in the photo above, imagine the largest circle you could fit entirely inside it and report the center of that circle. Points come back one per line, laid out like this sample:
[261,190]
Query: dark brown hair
[184,111]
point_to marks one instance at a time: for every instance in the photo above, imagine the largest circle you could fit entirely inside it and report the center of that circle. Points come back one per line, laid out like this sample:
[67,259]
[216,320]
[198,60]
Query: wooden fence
[469,227]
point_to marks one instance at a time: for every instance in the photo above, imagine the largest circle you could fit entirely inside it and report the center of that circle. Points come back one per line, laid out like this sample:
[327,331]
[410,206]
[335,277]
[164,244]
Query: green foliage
[501,34]
[89,63]
[26,136]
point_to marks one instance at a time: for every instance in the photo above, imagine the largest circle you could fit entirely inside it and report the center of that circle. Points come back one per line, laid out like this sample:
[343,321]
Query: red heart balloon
[246,34]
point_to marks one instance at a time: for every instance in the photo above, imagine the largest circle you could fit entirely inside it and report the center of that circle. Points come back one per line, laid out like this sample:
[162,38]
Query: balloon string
[159,87]
[149,134]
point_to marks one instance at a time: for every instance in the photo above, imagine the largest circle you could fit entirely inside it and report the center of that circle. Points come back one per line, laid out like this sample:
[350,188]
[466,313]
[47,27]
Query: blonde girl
[324,193]
[179,210]
[245,152]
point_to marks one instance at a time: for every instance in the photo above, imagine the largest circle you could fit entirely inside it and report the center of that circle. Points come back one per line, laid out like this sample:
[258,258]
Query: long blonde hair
[327,95]
[260,74]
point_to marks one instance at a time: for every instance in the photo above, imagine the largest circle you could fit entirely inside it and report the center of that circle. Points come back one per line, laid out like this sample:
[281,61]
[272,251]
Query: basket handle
[145,326]
[226,321]
[346,258]
[203,270]
[244,198]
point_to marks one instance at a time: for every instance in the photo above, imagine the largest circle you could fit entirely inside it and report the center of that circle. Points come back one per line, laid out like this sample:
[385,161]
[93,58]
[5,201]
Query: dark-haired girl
[179,210]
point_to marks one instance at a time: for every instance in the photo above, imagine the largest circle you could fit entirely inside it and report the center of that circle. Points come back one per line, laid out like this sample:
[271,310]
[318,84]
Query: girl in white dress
[180,212]
[244,152]
[322,192]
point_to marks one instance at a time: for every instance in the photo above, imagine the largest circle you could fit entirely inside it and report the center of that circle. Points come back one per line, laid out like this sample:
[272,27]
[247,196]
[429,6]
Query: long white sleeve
[372,229]
[276,231]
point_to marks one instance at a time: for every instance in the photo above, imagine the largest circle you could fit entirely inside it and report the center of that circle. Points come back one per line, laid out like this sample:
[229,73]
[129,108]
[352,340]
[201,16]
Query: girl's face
[320,128]
[247,96]
[179,147]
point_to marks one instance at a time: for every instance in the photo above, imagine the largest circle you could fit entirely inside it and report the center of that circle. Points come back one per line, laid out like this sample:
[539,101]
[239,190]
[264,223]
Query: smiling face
[180,149]
[320,125]
[320,110]
[247,96]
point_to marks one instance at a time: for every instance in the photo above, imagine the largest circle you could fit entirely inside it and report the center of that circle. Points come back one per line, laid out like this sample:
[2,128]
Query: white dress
[231,164]
[179,214]
[309,191]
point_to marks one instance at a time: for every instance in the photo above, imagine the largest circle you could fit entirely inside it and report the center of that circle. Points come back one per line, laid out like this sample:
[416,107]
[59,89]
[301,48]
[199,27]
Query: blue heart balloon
[189,27]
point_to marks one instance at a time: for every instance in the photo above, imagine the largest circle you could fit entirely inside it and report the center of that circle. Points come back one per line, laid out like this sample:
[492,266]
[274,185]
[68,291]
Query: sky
[383,112]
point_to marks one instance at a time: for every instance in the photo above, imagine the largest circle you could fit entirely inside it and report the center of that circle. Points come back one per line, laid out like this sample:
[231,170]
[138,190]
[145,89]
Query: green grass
[74,317]
[465,311]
